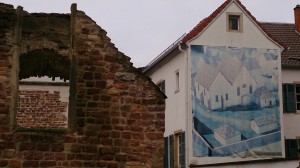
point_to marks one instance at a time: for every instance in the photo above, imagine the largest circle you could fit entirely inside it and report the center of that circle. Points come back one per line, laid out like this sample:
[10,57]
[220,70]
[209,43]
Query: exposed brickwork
[41,109]
[119,112]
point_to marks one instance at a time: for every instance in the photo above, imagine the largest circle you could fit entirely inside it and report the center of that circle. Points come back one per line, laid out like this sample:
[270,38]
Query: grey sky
[142,29]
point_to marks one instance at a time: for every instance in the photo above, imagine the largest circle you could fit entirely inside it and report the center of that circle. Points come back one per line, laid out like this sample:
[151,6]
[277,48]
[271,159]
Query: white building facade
[223,82]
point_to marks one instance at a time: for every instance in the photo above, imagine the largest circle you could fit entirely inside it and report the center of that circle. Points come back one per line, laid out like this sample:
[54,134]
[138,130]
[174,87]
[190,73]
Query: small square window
[234,22]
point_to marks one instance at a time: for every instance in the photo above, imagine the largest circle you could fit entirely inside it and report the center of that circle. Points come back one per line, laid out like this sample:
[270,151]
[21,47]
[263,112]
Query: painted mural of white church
[230,84]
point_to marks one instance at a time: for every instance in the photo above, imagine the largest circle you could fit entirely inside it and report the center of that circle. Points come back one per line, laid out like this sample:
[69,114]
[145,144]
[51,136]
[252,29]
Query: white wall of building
[216,34]
[175,102]
[291,131]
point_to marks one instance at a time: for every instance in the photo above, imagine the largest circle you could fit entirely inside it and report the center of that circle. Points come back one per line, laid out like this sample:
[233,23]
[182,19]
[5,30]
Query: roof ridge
[203,23]
[266,22]
[206,21]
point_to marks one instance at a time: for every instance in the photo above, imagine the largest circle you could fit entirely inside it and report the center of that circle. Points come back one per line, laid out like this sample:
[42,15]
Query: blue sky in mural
[235,101]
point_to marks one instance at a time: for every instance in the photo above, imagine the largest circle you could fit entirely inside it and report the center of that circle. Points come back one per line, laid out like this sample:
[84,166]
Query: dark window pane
[290,88]
[171,142]
[234,22]
[289,98]
[166,156]
[297,88]
[291,148]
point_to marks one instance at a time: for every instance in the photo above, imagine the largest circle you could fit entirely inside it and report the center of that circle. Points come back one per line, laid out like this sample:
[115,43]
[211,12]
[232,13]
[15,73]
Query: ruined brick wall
[38,108]
[7,22]
[118,112]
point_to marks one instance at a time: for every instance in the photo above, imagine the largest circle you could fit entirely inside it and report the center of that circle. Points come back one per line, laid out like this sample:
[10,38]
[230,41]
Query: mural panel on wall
[235,102]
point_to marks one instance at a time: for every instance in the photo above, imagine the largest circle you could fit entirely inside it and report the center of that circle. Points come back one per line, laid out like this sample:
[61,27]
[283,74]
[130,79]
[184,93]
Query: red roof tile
[202,24]
[285,32]
[205,22]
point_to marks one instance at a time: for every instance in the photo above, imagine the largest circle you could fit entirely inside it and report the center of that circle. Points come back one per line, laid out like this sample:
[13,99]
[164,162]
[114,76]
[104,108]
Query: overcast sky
[142,29]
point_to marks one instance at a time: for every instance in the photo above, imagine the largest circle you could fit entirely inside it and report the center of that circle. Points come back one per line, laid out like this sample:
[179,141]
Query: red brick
[75,163]
[153,136]
[122,86]
[30,163]
[3,163]
[115,134]
[106,141]
[43,147]
[107,157]
[28,155]
[89,164]
[49,156]
[101,164]
[70,156]
[14,164]
[57,147]
[91,149]
[121,157]
[21,138]
[4,119]
[87,156]
[27,146]
[126,135]
[60,156]
[47,163]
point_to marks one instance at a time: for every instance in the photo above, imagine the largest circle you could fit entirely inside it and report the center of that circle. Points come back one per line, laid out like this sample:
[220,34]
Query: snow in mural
[235,102]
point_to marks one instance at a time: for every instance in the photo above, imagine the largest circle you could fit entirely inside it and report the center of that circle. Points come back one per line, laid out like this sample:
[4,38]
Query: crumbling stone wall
[41,109]
[116,116]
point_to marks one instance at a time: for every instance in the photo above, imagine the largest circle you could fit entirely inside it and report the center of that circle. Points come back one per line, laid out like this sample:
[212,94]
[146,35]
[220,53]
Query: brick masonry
[116,116]
[38,108]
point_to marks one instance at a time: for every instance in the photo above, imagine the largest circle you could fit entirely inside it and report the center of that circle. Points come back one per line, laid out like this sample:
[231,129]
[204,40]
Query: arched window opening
[43,99]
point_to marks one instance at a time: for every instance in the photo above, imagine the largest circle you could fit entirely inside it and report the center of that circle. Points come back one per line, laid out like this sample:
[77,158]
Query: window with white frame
[234,22]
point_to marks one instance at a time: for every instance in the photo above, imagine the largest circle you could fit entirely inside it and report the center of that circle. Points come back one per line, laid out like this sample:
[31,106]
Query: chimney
[297,18]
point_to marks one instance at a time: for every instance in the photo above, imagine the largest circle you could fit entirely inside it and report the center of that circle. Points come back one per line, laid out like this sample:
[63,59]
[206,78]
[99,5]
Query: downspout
[186,104]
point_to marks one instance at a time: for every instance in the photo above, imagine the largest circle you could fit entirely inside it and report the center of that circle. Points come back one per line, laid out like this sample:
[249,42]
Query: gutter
[163,54]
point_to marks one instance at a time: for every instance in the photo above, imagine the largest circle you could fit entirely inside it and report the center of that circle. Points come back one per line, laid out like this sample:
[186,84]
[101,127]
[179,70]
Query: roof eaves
[261,27]
[203,24]
[163,54]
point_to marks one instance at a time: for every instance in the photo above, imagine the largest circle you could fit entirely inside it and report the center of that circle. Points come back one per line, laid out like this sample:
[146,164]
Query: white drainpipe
[186,105]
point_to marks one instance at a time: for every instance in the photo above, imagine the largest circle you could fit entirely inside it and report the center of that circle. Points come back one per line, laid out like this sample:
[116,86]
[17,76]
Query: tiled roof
[230,68]
[226,132]
[202,24]
[205,22]
[265,120]
[206,75]
[263,93]
[285,32]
